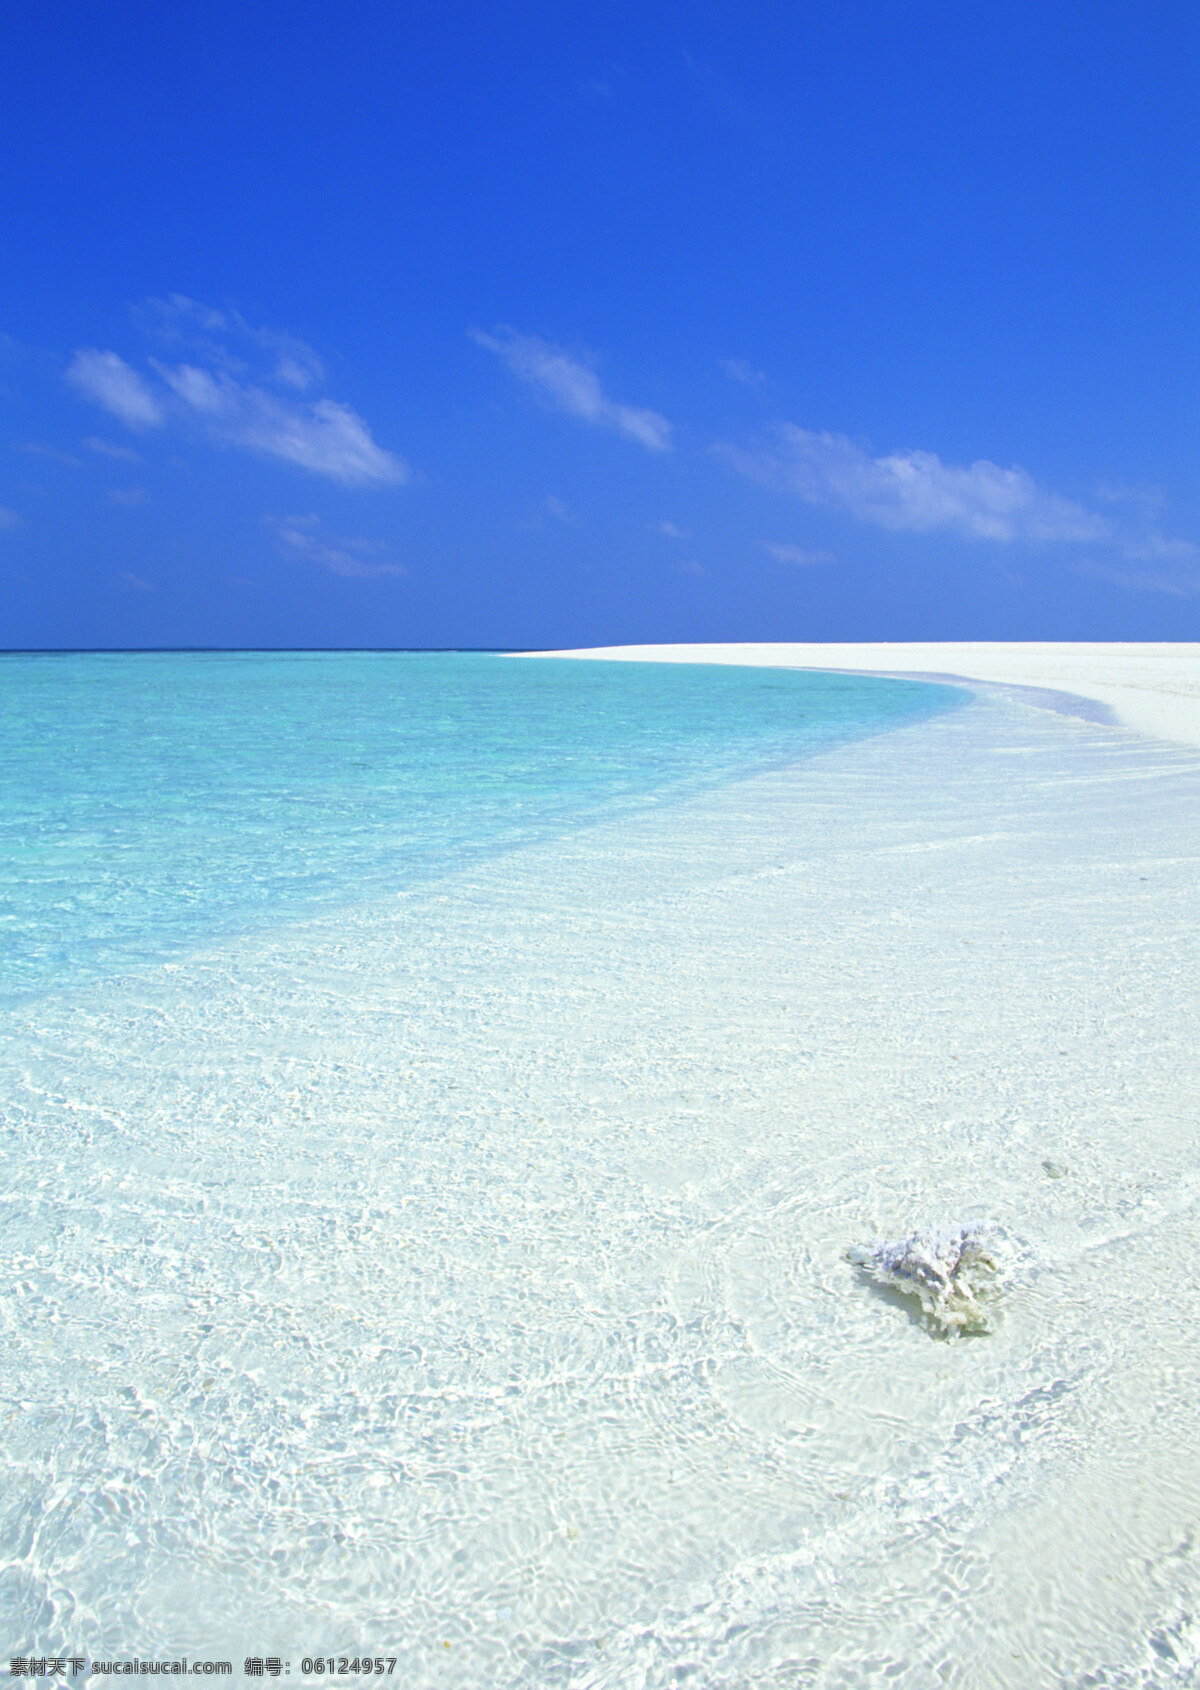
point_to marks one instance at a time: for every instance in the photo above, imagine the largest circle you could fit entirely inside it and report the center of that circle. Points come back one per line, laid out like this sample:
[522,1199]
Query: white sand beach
[1153,687]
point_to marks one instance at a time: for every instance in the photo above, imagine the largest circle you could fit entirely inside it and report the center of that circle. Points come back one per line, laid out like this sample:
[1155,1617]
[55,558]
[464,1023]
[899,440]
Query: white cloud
[241,387]
[109,381]
[558,508]
[914,490]
[198,388]
[307,537]
[223,338]
[129,496]
[319,435]
[670,530]
[783,553]
[8,519]
[574,387]
[737,369]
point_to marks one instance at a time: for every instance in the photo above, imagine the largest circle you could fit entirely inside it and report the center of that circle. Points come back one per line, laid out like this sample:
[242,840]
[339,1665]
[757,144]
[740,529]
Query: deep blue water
[152,801]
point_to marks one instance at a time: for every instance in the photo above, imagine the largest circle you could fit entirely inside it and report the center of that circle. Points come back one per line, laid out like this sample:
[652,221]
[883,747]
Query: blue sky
[460,324]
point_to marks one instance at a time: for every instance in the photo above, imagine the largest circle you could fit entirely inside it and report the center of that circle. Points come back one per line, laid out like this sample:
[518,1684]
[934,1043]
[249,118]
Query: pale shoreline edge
[1151,688]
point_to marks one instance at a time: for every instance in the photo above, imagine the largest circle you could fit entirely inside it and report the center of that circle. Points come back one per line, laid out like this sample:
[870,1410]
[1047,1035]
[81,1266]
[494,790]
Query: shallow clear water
[461,1276]
[150,800]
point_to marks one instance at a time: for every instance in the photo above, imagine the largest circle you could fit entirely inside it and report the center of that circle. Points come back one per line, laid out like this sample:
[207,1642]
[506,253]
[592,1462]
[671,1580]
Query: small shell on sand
[949,1273]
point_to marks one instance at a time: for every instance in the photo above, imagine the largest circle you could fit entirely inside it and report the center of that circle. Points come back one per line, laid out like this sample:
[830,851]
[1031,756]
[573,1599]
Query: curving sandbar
[1152,687]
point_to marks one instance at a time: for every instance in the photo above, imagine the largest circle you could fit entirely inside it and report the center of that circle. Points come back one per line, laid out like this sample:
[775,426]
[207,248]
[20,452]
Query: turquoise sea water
[153,800]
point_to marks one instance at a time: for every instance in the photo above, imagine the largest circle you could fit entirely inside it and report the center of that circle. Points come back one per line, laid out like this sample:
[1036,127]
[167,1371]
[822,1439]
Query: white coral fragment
[949,1273]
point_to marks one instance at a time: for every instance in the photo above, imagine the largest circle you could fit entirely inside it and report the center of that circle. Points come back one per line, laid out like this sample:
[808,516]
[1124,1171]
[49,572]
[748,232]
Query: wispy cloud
[571,384]
[603,86]
[1160,563]
[914,490]
[783,553]
[737,369]
[134,583]
[107,380]
[108,449]
[128,496]
[670,530]
[1143,496]
[40,449]
[241,387]
[1176,582]
[320,436]
[8,518]
[221,337]
[1154,563]
[307,537]
[552,509]
[1159,549]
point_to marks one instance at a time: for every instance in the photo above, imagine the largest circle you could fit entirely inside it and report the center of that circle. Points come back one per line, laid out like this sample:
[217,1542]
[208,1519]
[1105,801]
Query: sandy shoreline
[1151,687]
